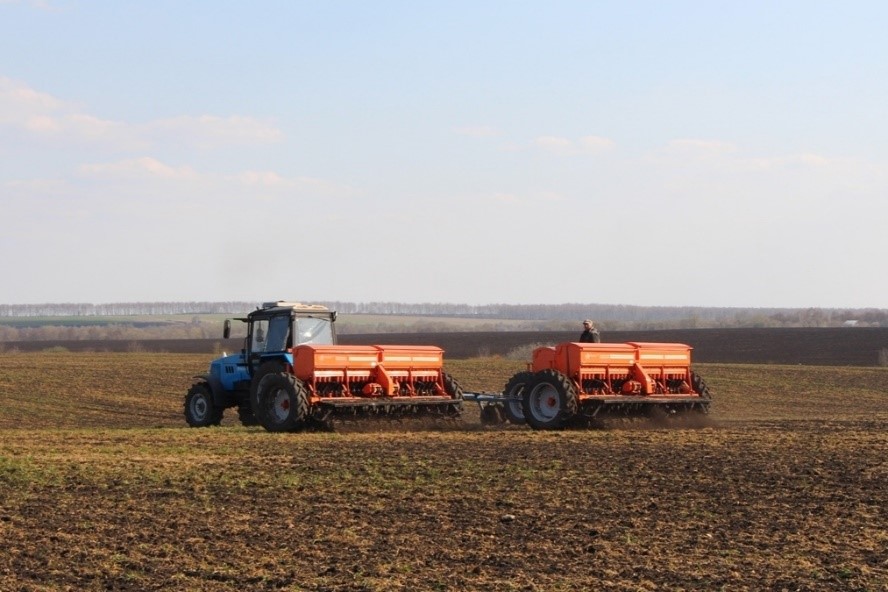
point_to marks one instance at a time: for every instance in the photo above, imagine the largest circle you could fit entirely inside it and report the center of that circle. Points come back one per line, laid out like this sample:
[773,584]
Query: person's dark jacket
[590,336]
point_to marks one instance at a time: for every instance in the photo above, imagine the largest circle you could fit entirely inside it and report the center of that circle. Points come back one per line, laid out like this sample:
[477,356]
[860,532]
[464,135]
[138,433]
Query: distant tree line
[394,317]
[123,309]
[613,316]
[116,331]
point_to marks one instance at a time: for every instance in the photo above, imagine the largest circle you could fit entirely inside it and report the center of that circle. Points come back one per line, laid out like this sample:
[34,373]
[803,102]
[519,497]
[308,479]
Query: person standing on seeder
[590,333]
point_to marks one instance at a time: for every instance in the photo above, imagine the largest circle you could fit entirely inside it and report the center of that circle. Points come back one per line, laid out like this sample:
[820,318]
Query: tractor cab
[275,328]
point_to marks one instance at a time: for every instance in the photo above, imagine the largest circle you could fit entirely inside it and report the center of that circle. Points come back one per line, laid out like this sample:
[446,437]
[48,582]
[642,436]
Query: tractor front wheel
[283,403]
[550,400]
[200,410]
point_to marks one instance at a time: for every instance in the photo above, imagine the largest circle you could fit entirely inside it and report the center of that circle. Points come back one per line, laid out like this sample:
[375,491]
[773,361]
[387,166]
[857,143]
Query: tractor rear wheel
[271,367]
[283,403]
[550,400]
[514,389]
[200,410]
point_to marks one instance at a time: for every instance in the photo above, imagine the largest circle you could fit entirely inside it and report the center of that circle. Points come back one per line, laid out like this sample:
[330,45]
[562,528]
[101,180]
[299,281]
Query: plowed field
[102,487]
[825,346]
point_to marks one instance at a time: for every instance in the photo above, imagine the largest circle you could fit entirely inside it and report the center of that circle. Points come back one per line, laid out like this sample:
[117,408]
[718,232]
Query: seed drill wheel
[452,388]
[200,411]
[550,400]
[700,387]
[283,403]
[514,389]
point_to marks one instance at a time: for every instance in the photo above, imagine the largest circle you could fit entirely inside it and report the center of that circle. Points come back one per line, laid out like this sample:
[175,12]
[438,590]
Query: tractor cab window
[278,330]
[270,335]
[260,331]
[311,330]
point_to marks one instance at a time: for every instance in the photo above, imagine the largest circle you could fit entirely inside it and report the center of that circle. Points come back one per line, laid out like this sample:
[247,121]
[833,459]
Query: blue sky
[649,153]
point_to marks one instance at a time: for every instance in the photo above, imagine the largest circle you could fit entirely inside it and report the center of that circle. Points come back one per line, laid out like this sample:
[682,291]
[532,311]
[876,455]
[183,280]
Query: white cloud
[719,155]
[272,180]
[260,178]
[696,147]
[551,196]
[146,169]
[45,117]
[38,4]
[554,144]
[569,147]
[137,168]
[477,131]
[790,161]
[19,102]
[211,130]
[595,144]
[42,124]
[530,199]
[42,117]
[33,187]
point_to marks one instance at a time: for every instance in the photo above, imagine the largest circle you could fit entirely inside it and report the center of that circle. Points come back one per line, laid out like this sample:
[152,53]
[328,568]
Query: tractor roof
[294,306]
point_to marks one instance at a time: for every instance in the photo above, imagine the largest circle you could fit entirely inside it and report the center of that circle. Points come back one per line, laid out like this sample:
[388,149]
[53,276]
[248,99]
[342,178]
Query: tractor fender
[285,357]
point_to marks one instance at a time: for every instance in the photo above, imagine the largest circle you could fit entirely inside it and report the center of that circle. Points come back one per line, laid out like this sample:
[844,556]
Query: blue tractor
[273,330]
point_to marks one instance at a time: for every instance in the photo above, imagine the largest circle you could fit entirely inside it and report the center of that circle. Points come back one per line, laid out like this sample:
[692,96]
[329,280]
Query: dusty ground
[103,488]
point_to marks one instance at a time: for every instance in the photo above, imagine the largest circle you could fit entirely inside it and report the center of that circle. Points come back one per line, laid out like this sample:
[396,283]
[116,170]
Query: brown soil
[103,488]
